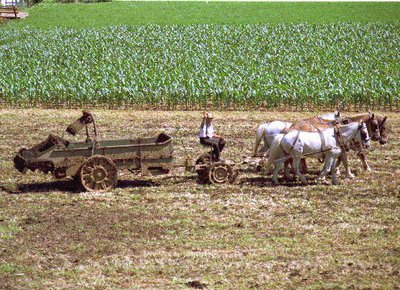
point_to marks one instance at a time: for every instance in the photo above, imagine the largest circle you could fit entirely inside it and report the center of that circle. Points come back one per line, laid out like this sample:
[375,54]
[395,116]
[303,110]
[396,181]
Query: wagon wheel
[220,173]
[99,173]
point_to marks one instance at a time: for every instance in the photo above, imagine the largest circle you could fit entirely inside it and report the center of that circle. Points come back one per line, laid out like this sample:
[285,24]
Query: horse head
[382,131]
[377,128]
[373,127]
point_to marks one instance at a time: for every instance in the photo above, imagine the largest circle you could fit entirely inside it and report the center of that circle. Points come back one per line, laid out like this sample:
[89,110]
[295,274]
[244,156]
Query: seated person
[208,137]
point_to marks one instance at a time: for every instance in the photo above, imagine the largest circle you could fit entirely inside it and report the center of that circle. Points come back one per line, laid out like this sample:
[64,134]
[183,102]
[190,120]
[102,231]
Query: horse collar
[340,139]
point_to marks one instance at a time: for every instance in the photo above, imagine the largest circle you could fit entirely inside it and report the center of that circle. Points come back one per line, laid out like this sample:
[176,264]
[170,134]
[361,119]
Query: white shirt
[207,131]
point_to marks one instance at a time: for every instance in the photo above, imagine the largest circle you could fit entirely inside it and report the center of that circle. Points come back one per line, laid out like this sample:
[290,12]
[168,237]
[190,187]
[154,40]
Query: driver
[208,137]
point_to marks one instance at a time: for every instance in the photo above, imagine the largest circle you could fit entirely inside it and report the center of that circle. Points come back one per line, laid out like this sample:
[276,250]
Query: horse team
[328,138]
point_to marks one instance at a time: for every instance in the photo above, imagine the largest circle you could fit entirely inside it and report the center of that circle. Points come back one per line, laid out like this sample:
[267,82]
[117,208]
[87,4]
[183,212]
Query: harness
[292,146]
[321,135]
[339,137]
[324,148]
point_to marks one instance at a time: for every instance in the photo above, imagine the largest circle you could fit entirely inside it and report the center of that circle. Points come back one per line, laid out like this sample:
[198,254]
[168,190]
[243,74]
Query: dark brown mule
[376,125]
[376,129]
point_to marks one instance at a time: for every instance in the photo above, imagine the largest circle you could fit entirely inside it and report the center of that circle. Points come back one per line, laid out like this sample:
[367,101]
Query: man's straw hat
[209,115]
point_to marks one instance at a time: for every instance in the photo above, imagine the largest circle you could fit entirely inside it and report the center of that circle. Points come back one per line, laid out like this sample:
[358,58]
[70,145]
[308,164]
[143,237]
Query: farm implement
[96,164]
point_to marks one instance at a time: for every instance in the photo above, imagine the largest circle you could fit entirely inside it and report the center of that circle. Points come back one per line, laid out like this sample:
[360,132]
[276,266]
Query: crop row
[235,65]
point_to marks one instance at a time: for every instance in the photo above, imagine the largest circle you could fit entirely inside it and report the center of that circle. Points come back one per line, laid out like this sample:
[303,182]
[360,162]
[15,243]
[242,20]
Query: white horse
[269,131]
[328,145]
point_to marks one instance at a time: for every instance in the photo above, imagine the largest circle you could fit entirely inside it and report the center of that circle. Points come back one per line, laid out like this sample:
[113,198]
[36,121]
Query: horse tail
[275,151]
[260,134]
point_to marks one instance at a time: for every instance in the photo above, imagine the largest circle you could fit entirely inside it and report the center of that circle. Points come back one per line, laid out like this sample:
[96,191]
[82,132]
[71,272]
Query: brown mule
[376,126]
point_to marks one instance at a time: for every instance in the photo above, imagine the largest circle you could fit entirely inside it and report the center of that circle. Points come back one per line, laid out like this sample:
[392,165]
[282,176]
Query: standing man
[208,137]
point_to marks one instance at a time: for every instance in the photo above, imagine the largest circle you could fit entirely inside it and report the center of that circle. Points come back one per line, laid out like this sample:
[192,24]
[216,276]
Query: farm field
[170,232]
[305,66]
[98,15]
[231,55]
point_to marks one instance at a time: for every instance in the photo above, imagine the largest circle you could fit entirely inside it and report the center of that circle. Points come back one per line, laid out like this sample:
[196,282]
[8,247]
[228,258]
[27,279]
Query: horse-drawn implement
[96,164]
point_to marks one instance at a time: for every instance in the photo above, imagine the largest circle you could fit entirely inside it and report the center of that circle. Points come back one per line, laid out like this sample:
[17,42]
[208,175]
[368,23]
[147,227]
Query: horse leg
[278,165]
[286,172]
[327,167]
[343,157]
[303,166]
[264,150]
[291,163]
[296,161]
[257,143]
[335,180]
[363,158]
[338,162]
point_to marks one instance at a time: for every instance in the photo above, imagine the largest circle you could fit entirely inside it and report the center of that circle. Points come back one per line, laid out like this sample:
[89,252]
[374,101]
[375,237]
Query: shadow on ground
[68,186]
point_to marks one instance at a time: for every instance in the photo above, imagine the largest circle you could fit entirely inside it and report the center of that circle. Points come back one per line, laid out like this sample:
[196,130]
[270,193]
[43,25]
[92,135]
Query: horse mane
[364,117]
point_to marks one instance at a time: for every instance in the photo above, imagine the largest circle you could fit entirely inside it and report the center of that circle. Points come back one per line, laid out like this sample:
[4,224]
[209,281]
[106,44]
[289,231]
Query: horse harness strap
[321,135]
[292,145]
[340,139]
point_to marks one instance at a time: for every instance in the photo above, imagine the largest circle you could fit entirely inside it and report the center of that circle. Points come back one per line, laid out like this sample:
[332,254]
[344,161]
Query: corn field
[234,66]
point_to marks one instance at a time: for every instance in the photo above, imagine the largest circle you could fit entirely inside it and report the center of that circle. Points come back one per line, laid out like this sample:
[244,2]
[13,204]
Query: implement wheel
[220,173]
[99,173]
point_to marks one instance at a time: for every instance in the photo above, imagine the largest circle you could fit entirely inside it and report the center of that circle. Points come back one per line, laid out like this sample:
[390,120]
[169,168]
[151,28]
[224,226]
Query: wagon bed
[96,163]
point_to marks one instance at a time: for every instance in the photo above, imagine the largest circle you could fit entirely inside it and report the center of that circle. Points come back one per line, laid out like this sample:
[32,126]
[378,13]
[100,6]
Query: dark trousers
[216,143]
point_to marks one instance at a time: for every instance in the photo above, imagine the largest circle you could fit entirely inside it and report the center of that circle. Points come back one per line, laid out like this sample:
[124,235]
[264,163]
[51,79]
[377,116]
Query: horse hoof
[350,176]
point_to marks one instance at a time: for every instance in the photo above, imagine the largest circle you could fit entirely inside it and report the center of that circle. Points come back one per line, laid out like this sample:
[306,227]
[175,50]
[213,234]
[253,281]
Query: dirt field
[171,232]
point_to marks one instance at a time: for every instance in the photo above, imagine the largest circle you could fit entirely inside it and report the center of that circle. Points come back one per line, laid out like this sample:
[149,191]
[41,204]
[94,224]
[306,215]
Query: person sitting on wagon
[208,137]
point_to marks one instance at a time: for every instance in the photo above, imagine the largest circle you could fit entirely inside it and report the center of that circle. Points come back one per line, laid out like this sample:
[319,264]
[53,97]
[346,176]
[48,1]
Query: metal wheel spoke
[91,184]
[88,170]
[99,173]
[103,185]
